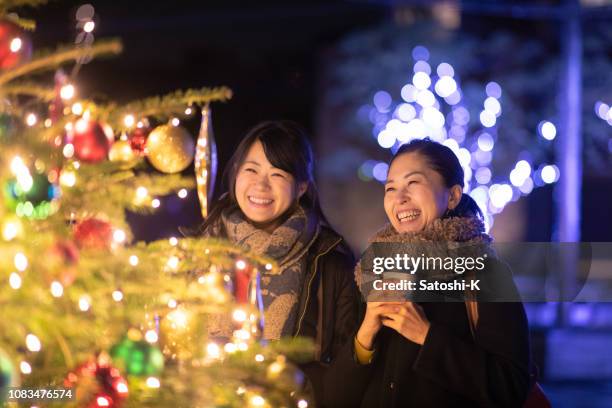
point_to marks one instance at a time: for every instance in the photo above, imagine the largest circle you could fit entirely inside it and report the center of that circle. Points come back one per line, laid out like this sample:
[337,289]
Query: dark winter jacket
[328,307]
[452,368]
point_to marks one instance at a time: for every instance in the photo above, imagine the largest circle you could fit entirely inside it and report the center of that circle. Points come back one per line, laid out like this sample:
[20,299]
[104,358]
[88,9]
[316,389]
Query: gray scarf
[288,244]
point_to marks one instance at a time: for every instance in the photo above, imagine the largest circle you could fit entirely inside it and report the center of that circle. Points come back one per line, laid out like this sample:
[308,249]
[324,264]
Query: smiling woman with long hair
[433,354]
[271,206]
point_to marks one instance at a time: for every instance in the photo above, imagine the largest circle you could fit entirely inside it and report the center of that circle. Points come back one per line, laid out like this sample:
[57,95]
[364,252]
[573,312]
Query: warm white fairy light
[48,122]
[68,150]
[173,241]
[129,120]
[16,44]
[242,346]
[213,350]
[22,173]
[57,290]
[25,368]
[242,334]
[121,387]
[89,26]
[182,193]
[188,111]
[10,230]
[153,382]
[259,358]
[230,348]
[21,261]
[142,193]
[77,108]
[151,336]
[68,178]
[102,401]
[268,267]
[173,262]
[15,280]
[119,236]
[81,124]
[257,401]
[31,119]
[172,303]
[241,265]
[178,318]
[302,404]
[155,203]
[117,295]
[133,260]
[84,303]
[175,122]
[33,343]
[67,92]
[239,315]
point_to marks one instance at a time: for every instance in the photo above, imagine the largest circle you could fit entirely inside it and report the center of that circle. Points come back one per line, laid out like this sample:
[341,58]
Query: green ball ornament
[138,358]
[8,375]
[32,199]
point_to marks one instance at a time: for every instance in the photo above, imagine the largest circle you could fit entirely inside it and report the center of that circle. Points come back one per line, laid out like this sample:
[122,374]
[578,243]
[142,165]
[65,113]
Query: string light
[155,203]
[20,261]
[117,296]
[240,264]
[259,358]
[173,241]
[153,382]
[68,178]
[142,193]
[15,280]
[84,303]
[213,350]
[151,336]
[67,92]
[16,44]
[182,193]
[77,108]
[257,401]
[129,120]
[239,315]
[302,404]
[119,236]
[10,230]
[57,290]
[33,343]
[175,122]
[31,119]
[89,26]
[25,368]
[173,262]
[133,260]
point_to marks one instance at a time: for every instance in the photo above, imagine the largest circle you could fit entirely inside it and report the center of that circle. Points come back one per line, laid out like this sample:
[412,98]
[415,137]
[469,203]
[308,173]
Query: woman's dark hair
[443,161]
[286,146]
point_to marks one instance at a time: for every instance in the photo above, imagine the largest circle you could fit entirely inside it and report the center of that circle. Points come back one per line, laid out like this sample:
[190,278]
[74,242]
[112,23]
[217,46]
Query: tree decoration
[121,152]
[92,140]
[205,161]
[97,383]
[8,375]
[15,45]
[170,148]
[138,139]
[138,358]
[61,262]
[93,233]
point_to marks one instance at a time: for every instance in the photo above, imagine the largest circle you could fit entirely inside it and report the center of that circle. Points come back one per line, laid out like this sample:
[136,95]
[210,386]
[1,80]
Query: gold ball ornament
[121,152]
[170,149]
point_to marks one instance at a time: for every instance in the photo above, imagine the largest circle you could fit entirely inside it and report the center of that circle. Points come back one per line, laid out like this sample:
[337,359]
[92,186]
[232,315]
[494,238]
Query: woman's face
[263,191]
[415,195]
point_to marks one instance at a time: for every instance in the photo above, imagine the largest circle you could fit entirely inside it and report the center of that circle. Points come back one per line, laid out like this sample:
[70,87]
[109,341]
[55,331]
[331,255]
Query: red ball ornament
[92,140]
[138,139]
[15,45]
[93,234]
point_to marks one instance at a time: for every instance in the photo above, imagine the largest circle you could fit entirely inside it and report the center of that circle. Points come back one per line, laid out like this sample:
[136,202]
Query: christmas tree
[85,308]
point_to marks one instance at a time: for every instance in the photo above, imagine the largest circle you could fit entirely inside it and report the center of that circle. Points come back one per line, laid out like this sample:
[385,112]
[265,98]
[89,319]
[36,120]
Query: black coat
[328,310]
[450,369]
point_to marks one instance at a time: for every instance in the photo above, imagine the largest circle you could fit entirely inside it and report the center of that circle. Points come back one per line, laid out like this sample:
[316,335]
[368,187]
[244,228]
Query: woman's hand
[372,322]
[409,320]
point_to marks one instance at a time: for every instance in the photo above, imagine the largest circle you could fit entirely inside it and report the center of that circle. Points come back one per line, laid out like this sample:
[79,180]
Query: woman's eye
[389,189]
[250,170]
[412,182]
[278,175]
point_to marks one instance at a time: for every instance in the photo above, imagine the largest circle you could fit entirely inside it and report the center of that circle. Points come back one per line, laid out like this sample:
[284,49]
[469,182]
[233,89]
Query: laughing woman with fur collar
[433,354]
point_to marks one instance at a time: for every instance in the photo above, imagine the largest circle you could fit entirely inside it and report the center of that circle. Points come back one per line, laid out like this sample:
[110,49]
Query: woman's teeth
[260,201]
[406,216]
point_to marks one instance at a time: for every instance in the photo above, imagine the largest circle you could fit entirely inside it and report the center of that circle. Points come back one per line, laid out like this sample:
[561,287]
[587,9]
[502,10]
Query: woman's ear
[454,196]
[302,187]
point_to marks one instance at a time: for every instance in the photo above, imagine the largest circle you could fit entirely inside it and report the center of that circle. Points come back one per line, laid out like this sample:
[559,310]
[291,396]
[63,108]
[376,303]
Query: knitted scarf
[444,236]
[288,244]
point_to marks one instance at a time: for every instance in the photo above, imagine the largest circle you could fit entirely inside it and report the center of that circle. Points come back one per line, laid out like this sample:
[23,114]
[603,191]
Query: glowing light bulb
[173,262]
[77,108]
[117,296]
[31,119]
[10,230]
[257,401]
[57,290]
[84,303]
[16,44]
[33,343]
[21,261]
[151,336]
[239,315]
[213,350]
[141,193]
[182,193]
[15,280]
[119,236]
[155,203]
[241,265]
[25,368]
[89,26]
[129,120]
[67,92]
[133,260]
[173,241]
[302,404]
[268,267]
[175,122]
[153,382]
[259,358]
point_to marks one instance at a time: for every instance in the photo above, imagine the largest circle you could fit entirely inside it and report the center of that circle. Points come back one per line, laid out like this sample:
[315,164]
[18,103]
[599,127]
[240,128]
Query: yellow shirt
[364,356]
